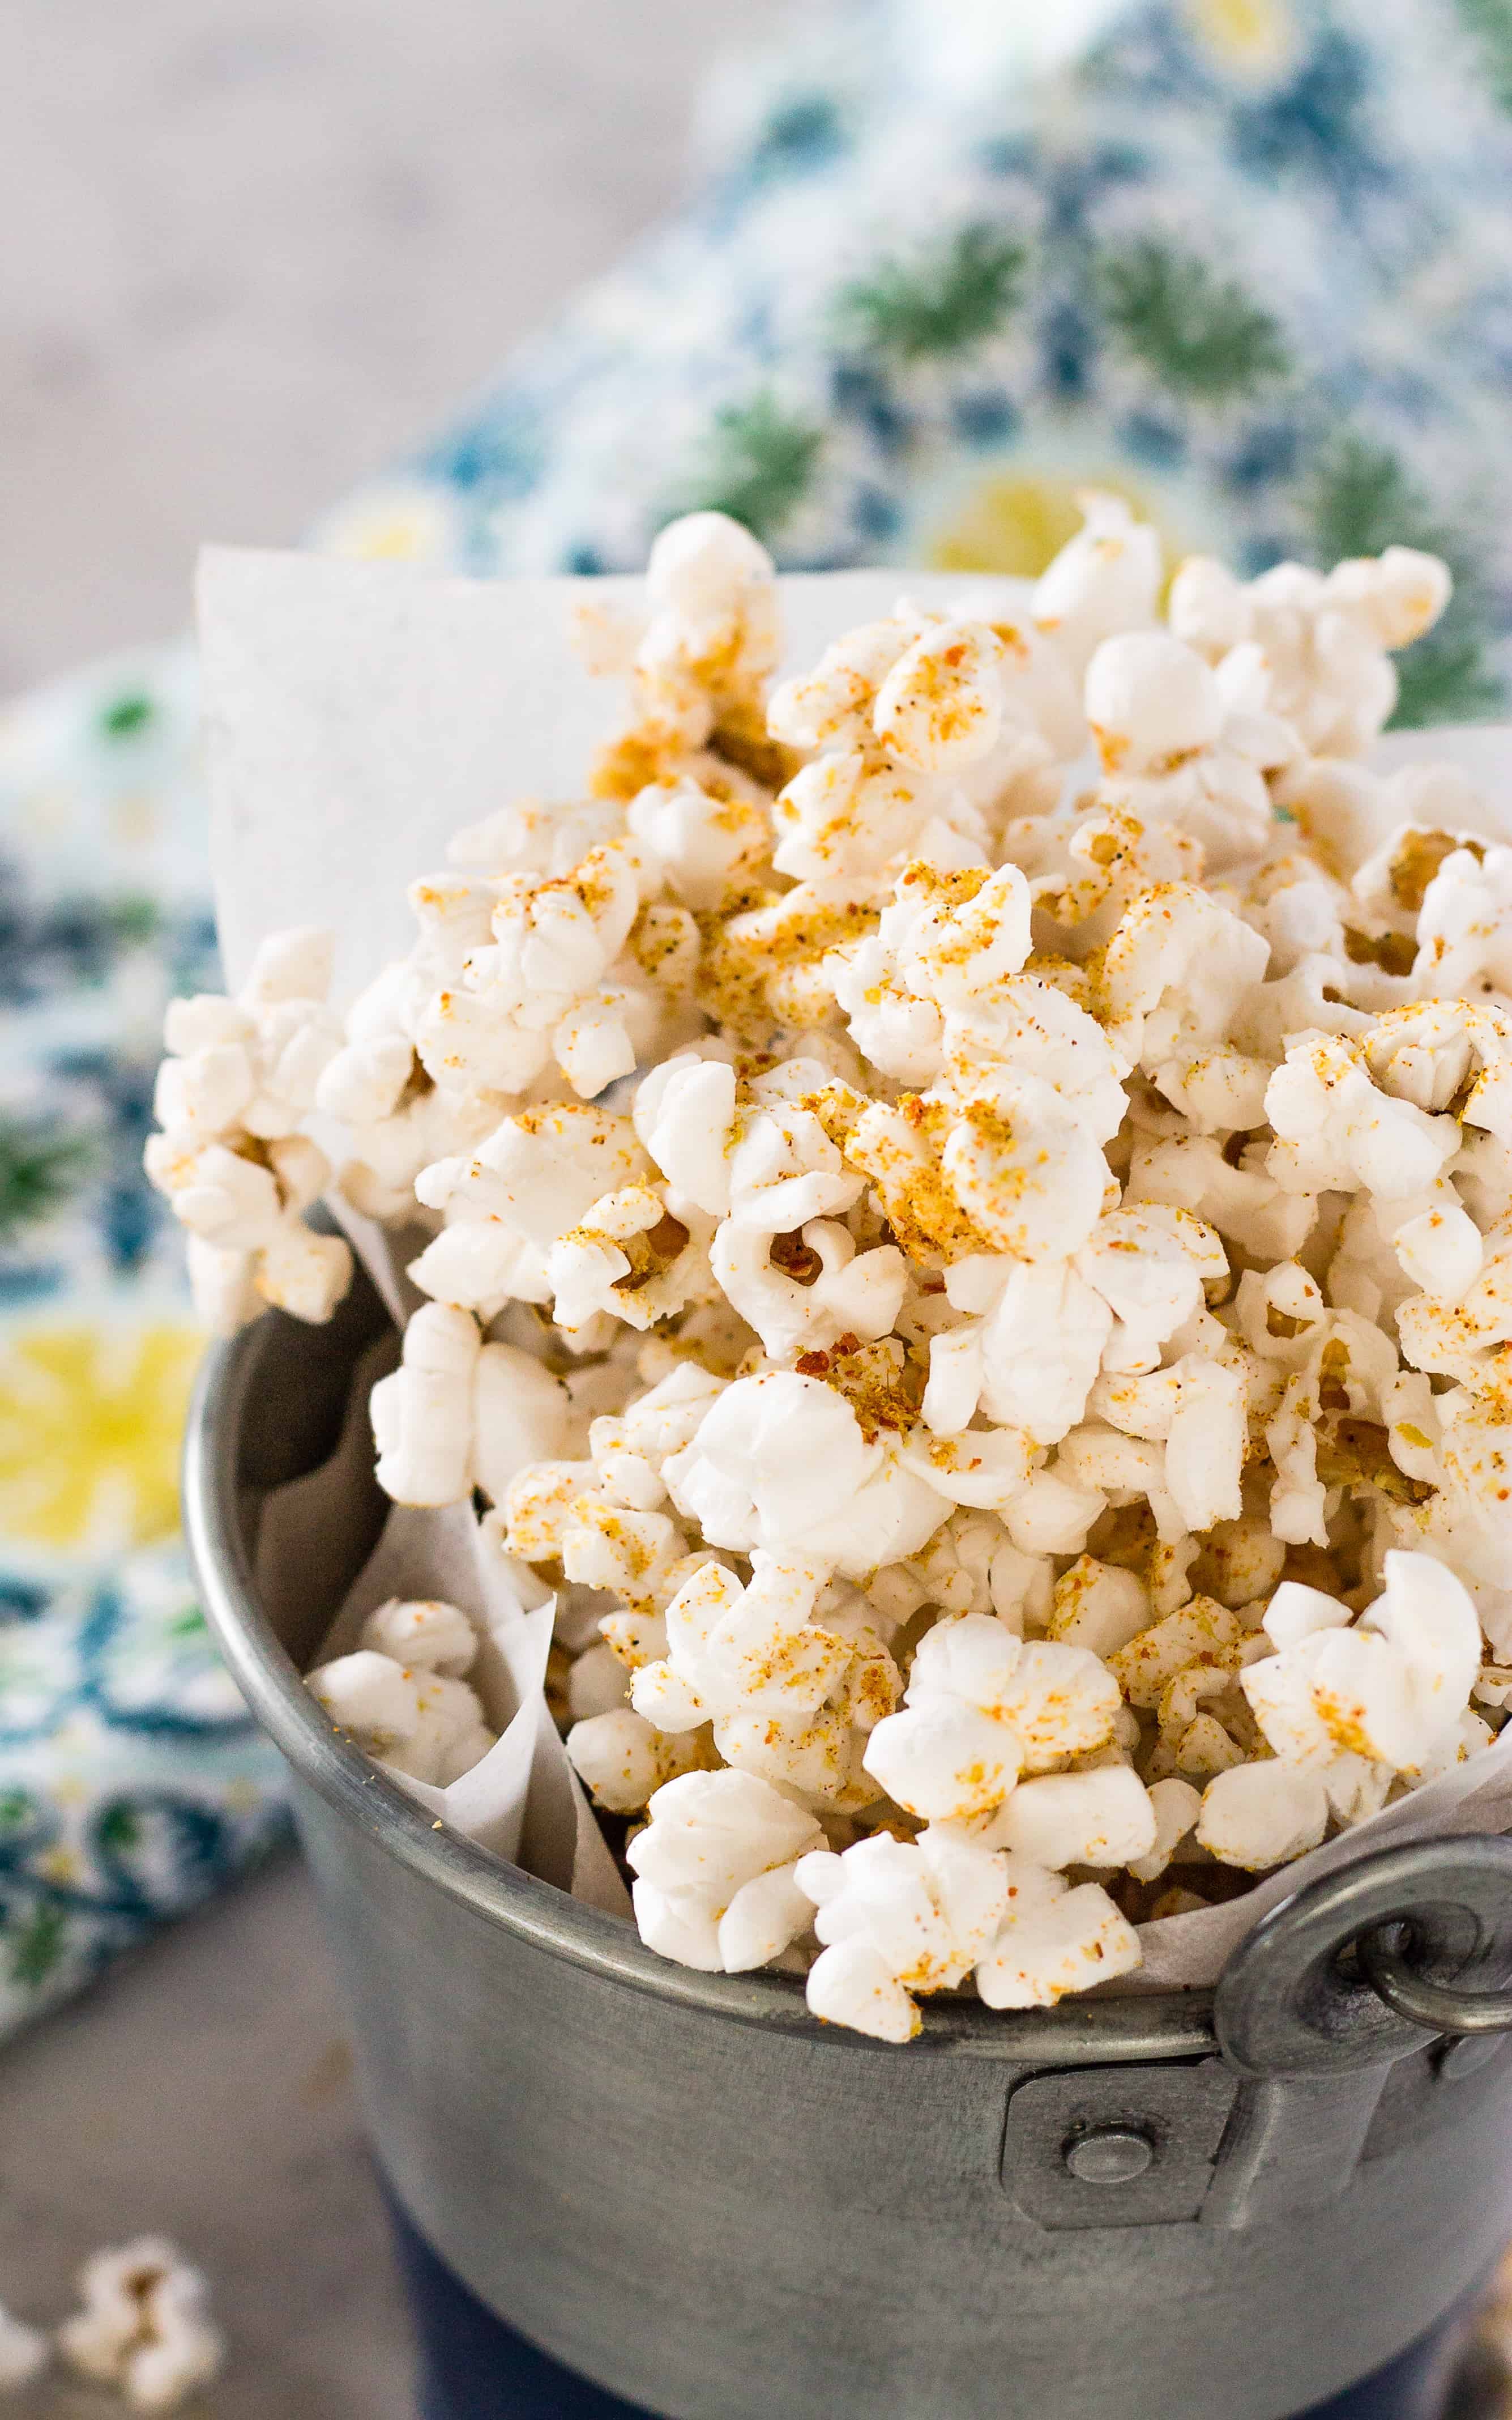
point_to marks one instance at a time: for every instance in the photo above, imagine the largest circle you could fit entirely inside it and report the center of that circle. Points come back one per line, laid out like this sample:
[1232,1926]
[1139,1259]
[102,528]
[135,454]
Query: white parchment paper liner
[357,715]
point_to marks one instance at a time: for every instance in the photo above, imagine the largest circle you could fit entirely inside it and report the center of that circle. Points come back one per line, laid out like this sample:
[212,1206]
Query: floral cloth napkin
[1246,262]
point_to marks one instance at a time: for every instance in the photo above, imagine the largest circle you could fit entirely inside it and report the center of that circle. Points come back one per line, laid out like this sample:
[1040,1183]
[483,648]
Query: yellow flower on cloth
[397,520]
[1255,42]
[91,1418]
[1017,522]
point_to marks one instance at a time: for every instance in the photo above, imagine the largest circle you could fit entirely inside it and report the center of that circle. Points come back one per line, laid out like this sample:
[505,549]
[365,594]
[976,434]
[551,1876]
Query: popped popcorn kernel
[145,2326]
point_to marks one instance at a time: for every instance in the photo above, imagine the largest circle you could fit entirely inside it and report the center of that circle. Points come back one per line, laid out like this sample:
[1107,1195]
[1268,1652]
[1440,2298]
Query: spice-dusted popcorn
[145,2326]
[240,1077]
[969,1213]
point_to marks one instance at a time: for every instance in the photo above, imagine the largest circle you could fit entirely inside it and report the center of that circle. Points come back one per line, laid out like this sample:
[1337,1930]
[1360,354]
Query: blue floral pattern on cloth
[1246,262]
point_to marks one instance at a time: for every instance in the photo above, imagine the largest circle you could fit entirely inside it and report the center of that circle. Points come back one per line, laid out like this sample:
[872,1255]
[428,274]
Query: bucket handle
[1355,1970]
[1390,1956]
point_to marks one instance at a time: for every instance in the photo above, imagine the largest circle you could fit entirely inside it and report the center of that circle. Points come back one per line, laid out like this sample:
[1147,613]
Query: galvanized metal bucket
[682,2185]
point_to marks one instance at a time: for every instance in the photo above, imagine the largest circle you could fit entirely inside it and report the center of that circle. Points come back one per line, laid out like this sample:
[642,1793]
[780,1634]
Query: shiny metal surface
[686,2188]
[1291,2003]
[1392,1959]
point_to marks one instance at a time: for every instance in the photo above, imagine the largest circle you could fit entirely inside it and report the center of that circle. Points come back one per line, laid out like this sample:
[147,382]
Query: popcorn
[782,1461]
[981,1708]
[1257,1816]
[624,1760]
[787,1697]
[1054,1939]
[1105,581]
[1321,643]
[964,1279]
[1103,1818]
[1178,746]
[24,2354]
[145,2327]
[534,1178]
[1390,1690]
[240,1077]
[402,1694]
[716,1871]
[459,1413]
[897,1917]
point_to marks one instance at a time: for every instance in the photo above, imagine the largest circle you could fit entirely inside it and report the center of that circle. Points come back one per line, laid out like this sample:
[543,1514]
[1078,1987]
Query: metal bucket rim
[1157,2024]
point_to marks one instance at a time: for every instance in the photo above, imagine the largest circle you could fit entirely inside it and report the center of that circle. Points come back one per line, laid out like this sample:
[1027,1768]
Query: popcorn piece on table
[145,2327]
[24,2354]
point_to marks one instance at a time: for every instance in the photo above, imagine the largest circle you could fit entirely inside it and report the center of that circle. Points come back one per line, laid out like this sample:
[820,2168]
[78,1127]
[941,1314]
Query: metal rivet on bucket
[1113,2155]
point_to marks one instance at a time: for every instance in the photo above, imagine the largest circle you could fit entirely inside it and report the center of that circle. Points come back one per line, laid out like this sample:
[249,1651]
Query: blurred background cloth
[947,262]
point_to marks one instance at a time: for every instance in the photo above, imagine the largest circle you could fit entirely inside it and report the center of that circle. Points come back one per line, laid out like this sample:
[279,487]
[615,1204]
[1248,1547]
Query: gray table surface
[204,2092]
[254,250]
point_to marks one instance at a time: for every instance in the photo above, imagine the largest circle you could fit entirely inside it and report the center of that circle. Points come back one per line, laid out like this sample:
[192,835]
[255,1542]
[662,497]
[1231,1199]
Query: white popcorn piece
[598,1681]
[1390,1689]
[1105,581]
[732,1649]
[780,1462]
[1097,1606]
[707,847]
[685,1114]
[1178,968]
[819,1290]
[981,1708]
[1257,1816]
[145,2327]
[459,1413]
[1102,1818]
[624,1760]
[505,1204]
[1334,1128]
[628,1257]
[712,595]
[897,1917]
[543,988]
[1186,745]
[423,1632]
[230,1097]
[1177,1806]
[409,1716]
[24,2354]
[1054,1939]
[1322,640]
[713,1870]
